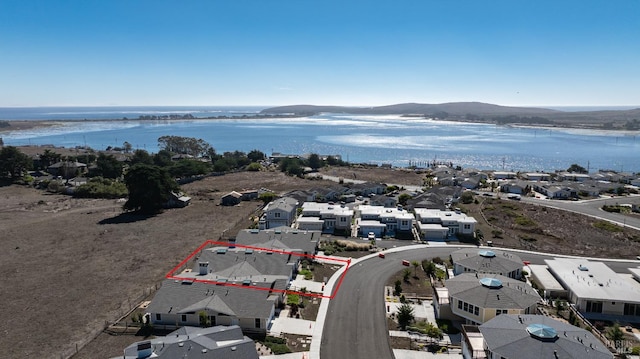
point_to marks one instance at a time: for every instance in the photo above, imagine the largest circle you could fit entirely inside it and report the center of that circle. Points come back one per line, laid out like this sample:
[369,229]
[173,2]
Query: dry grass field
[69,265]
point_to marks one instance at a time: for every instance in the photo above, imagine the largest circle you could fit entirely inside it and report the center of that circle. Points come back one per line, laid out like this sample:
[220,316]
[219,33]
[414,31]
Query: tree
[575,168]
[107,166]
[162,158]
[403,198]
[314,161]
[13,163]
[188,168]
[406,273]
[432,331]
[48,158]
[415,265]
[405,315]
[615,334]
[141,156]
[397,290]
[429,268]
[267,197]
[256,156]
[184,145]
[466,197]
[149,188]
[127,147]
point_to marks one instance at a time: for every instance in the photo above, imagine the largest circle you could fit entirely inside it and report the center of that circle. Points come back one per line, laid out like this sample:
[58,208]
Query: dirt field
[550,230]
[71,265]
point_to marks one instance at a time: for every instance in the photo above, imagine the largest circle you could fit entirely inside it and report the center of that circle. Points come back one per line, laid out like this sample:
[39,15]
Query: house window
[467,226]
[184,317]
[212,319]
[594,307]
[459,304]
[476,311]
[158,316]
[257,322]
[343,219]
[277,214]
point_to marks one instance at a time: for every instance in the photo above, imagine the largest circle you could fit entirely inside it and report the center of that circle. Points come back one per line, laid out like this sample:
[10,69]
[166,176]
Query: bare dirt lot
[70,264]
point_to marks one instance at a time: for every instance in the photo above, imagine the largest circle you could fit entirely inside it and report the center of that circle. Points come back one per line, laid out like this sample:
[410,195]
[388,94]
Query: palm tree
[415,265]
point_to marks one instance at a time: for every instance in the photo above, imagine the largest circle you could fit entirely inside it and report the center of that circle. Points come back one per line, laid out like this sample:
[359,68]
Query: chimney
[204,268]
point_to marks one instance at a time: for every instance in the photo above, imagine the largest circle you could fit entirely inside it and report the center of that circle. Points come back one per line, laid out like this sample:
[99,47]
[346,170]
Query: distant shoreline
[25,125]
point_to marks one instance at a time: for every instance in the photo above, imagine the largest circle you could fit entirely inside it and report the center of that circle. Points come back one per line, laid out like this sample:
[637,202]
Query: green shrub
[524,221]
[99,187]
[607,226]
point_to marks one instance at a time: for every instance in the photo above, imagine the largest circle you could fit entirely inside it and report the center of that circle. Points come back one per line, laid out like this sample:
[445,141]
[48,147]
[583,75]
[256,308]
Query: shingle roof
[218,342]
[507,336]
[502,262]
[513,294]
[284,238]
[176,296]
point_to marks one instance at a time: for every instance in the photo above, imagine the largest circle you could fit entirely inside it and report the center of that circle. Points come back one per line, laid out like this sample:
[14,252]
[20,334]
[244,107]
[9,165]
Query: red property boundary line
[346,262]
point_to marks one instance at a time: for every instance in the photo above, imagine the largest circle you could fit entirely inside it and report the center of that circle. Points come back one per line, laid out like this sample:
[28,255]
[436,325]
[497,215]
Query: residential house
[384,200]
[328,217]
[477,298]
[366,189]
[573,176]
[383,221]
[280,212]
[500,175]
[536,176]
[205,343]
[432,223]
[283,238]
[530,337]
[67,169]
[515,186]
[181,303]
[596,290]
[486,261]
[241,265]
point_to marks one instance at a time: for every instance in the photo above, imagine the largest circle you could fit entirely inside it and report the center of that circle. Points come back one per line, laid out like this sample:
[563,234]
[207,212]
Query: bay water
[388,139]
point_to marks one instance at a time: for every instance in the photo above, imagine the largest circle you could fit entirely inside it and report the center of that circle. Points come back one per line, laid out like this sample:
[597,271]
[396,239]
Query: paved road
[356,327]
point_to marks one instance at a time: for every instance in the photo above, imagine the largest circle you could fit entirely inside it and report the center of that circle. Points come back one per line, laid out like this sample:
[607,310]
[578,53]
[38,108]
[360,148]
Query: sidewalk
[284,324]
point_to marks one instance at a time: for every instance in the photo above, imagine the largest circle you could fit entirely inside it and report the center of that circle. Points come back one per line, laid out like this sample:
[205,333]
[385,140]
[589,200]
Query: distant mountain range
[483,112]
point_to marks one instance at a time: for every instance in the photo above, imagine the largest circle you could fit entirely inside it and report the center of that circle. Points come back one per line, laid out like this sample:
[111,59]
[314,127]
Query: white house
[379,219]
[455,222]
[596,290]
[325,217]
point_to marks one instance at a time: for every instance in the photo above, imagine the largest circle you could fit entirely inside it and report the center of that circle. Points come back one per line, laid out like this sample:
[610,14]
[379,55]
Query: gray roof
[191,297]
[507,336]
[513,294]
[286,204]
[220,342]
[503,262]
[238,264]
[282,238]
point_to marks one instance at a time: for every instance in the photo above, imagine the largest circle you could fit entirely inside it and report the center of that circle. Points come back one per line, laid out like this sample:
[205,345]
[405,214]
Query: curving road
[355,325]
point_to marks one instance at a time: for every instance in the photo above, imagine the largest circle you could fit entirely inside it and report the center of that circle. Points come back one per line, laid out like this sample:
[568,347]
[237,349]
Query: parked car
[381,255]
[406,263]
[371,236]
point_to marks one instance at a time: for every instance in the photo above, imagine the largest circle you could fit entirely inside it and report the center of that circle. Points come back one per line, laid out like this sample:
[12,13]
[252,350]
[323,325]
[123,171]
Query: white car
[371,236]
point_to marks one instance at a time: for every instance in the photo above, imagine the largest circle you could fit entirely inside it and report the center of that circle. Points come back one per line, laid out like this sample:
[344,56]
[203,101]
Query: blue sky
[269,52]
